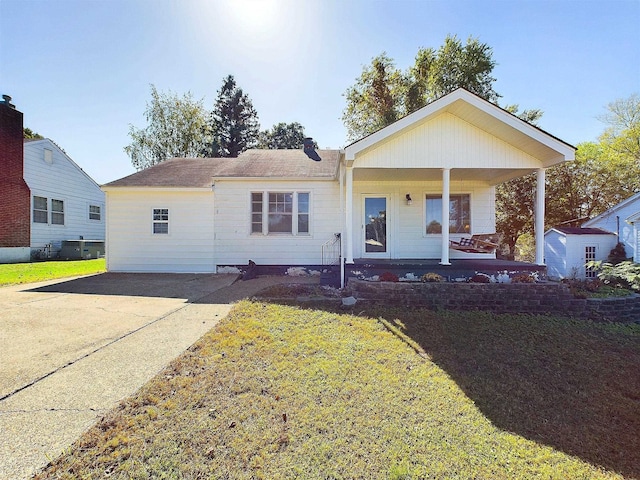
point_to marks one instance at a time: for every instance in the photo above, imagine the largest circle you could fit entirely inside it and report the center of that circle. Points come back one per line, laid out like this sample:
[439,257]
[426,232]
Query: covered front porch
[429,178]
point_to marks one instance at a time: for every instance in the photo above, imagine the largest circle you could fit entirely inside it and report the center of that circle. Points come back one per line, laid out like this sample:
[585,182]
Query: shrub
[480,278]
[389,277]
[431,277]
[623,275]
[523,278]
[618,254]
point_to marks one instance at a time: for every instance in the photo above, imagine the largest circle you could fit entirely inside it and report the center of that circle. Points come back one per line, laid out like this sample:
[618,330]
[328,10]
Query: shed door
[589,256]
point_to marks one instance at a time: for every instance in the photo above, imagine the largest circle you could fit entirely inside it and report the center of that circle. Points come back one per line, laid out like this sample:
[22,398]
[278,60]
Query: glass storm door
[375,226]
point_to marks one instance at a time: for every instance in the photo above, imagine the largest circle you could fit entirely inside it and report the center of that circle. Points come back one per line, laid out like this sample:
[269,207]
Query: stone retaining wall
[499,298]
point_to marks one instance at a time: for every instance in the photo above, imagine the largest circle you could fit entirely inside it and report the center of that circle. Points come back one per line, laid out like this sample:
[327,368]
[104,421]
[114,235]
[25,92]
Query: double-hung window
[160,221]
[57,212]
[280,213]
[459,214]
[40,210]
[94,212]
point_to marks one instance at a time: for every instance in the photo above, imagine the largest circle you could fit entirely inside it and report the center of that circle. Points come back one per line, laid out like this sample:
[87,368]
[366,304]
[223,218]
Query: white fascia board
[612,210]
[566,151]
[555,230]
[106,188]
[275,179]
[635,218]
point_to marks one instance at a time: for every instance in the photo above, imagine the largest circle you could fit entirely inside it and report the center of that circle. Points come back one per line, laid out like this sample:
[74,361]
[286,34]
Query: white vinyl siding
[566,254]
[407,225]
[614,221]
[318,202]
[437,143]
[56,177]
[133,247]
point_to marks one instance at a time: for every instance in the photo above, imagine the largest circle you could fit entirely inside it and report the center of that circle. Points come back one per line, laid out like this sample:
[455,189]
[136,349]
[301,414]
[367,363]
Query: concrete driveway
[70,350]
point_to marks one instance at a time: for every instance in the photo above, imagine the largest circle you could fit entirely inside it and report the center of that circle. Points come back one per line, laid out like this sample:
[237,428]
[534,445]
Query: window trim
[451,195]
[294,213]
[155,222]
[58,212]
[99,207]
[33,209]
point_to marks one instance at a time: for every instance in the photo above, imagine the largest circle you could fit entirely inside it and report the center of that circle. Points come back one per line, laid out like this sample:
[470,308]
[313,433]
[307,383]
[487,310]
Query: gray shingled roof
[198,172]
[582,231]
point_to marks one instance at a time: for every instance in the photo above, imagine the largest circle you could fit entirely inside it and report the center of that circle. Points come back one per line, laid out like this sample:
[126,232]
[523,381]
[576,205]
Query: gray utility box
[81,249]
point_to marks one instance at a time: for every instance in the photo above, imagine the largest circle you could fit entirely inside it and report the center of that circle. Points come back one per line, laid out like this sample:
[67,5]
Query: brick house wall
[15,196]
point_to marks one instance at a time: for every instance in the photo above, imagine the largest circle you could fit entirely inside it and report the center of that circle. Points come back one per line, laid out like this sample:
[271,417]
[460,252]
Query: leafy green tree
[233,123]
[603,174]
[383,93]
[176,128]
[455,65]
[31,135]
[375,100]
[283,135]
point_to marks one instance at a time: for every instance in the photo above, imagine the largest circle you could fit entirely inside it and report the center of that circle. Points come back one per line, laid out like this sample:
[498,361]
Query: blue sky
[80,70]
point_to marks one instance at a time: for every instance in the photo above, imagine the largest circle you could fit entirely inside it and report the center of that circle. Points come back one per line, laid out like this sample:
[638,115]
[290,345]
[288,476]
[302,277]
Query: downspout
[342,215]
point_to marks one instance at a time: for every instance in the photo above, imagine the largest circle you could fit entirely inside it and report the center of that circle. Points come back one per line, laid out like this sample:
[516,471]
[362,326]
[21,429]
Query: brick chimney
[15,207]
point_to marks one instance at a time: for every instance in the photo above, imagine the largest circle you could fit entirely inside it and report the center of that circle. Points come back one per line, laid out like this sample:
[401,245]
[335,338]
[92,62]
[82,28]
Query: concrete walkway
[70,350]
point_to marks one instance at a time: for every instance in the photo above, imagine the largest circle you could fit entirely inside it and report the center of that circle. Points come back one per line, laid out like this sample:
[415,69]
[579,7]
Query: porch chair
[480,243]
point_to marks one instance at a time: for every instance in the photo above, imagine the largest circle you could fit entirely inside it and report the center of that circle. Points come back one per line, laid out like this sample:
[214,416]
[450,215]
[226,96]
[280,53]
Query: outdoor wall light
[408,197]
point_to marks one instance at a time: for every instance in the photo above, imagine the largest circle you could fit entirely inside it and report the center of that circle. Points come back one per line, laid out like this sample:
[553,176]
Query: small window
[459,214]
[256,212]
[57,212]
[94,212]
[160,220]
[40,210]
[303,213]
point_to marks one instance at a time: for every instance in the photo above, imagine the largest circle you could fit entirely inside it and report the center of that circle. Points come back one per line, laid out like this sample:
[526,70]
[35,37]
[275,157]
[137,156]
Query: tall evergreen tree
[233,122]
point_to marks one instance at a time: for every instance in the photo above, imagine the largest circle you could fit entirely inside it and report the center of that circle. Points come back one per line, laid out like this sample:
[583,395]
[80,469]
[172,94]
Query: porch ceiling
[491,176]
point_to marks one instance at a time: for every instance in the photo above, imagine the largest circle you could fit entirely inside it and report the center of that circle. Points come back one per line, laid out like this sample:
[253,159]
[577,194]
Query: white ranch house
[386,196]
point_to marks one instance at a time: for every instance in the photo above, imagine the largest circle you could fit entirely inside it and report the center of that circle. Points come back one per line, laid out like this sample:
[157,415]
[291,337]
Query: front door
[375,226]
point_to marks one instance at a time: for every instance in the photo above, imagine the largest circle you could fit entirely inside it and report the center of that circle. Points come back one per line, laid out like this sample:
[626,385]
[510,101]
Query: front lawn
[285,392]
[17,273]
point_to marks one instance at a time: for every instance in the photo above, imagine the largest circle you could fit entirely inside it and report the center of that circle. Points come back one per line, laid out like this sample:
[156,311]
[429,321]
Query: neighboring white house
[386,195]
[624,220]
[66,203]
[568,249]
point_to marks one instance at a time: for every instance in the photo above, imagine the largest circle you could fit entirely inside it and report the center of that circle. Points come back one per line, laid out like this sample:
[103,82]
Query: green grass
[278,391]
[17,273]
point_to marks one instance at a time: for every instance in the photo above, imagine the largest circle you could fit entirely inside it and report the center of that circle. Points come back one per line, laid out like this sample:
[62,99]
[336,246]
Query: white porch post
[539,216]
[446,187]
[349,215]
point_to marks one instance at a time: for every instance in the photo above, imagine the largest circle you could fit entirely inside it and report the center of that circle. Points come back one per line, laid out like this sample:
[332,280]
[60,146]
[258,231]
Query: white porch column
[446,187]
[539,216]
[349,216]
